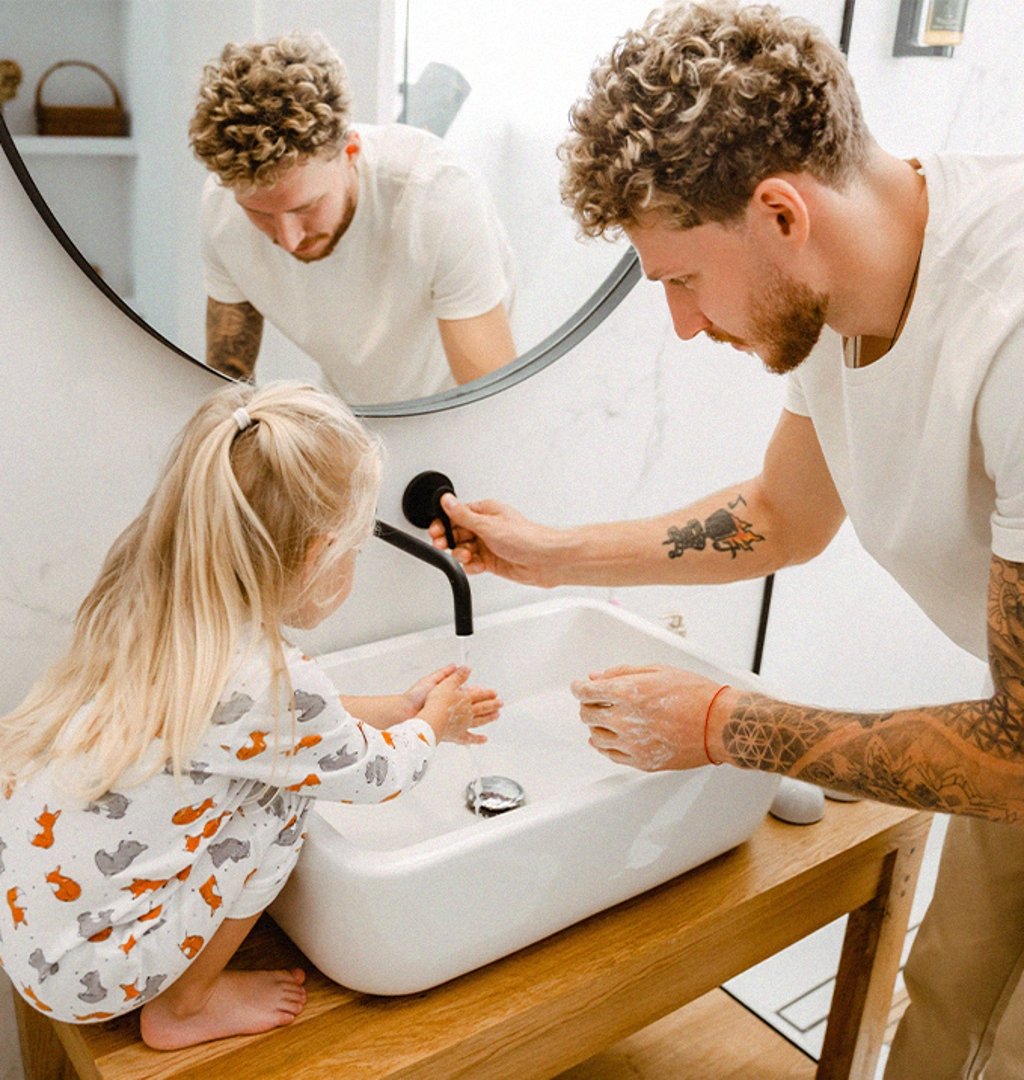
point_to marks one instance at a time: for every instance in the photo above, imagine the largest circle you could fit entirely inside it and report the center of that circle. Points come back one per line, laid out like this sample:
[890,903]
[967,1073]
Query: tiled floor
[792,990]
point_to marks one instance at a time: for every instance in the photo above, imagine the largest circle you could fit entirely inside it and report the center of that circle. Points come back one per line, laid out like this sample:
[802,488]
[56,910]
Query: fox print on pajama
[107,902]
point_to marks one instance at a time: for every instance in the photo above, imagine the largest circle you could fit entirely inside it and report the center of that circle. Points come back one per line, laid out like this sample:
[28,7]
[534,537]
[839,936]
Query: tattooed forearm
[233,335]
[953,759]
[966,757]
[723,530]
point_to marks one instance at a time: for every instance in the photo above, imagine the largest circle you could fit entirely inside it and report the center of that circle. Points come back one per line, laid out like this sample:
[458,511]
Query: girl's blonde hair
[216,561]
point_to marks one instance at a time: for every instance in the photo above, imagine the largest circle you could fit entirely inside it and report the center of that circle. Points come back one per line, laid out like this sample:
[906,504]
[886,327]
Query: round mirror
[102,144]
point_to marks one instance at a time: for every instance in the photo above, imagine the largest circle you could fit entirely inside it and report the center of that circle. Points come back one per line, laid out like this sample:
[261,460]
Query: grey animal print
[273,798]
[287,837]
[227,712]
[113,804]
[111,863]
[2,848]
[197,772]
[418,776]
[341,760]
[152,987]
[94,989]
[153,926]
[377,770]
[232,848]
[89,925]
[308,706]
[42,965]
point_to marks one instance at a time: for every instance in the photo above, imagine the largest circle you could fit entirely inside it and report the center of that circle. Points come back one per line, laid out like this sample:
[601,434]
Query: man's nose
[687,318]
[287,232]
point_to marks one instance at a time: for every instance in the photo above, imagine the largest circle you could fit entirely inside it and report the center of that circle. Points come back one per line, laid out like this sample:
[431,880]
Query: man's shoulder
[401,148]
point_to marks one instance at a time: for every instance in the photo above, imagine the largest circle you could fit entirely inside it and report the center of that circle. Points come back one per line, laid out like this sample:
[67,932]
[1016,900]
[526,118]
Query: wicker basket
[80,119]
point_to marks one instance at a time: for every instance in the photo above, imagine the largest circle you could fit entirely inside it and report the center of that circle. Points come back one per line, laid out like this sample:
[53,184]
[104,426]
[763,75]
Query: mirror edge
[578,326]
[36,198]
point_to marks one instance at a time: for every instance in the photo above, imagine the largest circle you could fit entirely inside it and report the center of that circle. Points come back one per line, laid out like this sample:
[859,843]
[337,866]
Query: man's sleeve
[218,282]
[469,276]
[1000,421]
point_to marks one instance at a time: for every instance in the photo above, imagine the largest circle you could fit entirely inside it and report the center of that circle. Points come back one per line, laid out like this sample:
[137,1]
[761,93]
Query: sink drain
[491,795]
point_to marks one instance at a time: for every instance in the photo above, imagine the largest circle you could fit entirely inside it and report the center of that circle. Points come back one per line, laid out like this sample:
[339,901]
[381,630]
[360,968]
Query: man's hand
[651,718]
[492,537]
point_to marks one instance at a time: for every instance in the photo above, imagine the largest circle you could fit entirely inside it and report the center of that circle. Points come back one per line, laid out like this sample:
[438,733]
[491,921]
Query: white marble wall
[630,423]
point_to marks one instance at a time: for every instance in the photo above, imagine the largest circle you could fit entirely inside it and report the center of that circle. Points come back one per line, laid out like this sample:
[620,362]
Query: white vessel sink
[396,898]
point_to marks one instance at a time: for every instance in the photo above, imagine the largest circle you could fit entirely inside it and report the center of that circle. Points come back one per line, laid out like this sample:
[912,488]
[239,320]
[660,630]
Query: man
[370,249]
[728,144]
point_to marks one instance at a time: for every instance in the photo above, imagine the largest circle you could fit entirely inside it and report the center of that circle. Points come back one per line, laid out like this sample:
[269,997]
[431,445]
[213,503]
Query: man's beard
[786,322]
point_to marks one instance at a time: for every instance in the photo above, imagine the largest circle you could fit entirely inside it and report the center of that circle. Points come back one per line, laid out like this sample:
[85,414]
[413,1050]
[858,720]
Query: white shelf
[75,146]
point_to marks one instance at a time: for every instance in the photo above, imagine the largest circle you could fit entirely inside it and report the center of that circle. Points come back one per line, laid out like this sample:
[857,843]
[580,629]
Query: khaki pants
[966,1016]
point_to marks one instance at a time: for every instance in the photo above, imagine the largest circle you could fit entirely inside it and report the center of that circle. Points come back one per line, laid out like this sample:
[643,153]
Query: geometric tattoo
[722,529]
[966,757]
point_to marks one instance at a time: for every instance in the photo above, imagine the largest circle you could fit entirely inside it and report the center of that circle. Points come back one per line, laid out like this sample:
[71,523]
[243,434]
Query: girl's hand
[416,696]
[473,706]
[452,708]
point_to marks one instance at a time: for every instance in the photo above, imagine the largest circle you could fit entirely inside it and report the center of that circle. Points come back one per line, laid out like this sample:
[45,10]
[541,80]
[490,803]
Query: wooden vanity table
[555,1004]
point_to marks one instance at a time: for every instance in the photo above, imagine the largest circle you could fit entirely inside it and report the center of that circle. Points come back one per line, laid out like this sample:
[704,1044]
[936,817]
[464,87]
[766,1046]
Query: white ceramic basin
[396,898]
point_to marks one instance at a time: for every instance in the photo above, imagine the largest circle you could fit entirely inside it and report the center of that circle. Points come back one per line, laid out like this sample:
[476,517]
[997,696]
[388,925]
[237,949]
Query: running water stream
[486,796]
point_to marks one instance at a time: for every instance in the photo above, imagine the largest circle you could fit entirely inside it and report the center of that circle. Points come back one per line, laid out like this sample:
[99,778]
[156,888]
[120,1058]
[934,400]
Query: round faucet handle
[421,502]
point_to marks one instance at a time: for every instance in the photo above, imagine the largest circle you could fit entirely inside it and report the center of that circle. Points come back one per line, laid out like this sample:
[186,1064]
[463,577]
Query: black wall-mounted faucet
[421,504]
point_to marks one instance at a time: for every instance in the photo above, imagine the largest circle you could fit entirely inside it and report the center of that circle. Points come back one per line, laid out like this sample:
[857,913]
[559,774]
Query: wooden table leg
[42,1055]
[872,949]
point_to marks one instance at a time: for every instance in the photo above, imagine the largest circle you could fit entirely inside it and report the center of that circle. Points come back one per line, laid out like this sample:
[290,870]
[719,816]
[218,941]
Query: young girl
[155,783]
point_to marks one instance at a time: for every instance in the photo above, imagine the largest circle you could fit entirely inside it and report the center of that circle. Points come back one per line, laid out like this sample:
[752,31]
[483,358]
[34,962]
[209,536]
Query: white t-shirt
[926,444]
[425,244]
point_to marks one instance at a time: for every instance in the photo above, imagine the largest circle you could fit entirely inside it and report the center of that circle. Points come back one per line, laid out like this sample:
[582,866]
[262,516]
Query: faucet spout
[420,549]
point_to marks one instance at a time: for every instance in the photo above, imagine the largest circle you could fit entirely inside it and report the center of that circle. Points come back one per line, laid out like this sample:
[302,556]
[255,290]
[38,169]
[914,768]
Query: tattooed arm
[966,757]
[233,334]
[785,515]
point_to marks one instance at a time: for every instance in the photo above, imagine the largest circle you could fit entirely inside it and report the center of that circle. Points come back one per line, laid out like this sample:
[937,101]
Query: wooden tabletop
[555,1003]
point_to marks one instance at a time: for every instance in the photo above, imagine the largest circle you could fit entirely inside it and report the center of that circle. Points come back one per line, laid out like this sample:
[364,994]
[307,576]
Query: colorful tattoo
[722,529]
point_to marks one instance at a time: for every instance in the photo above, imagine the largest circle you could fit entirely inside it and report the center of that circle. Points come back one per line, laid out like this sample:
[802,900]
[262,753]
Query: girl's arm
[387,709]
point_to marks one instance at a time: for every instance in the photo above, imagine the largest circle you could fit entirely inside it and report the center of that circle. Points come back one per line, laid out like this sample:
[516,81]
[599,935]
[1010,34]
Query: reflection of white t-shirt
[926,445]
[425,244]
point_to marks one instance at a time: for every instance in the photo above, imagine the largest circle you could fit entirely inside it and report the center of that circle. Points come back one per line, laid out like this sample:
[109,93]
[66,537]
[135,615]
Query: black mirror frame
[592,313]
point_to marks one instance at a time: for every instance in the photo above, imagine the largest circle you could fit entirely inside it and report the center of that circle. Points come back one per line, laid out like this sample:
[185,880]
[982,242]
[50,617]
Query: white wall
[628,424]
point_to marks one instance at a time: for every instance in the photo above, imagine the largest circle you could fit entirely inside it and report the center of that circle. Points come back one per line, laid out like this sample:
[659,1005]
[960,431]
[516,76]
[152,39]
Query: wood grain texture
[558,1002]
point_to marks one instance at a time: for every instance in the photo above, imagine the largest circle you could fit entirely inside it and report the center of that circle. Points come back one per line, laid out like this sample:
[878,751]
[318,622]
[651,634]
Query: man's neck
[874,237]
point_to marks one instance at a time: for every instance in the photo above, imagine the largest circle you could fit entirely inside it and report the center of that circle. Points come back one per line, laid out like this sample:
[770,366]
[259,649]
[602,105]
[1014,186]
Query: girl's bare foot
[238,1003]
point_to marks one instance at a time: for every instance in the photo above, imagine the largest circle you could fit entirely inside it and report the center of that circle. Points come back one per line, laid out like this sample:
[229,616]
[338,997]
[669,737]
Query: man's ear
[778,213]
[352,147]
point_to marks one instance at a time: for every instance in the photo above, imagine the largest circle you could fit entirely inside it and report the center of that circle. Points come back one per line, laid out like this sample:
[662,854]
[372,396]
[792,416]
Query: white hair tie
[242,419]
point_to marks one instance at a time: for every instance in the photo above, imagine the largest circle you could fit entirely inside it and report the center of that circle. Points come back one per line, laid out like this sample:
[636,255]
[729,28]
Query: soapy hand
[443,700]
[651,718]
[492,536]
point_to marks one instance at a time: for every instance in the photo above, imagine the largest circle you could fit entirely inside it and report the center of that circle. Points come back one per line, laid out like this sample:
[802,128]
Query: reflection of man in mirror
[729,145]
[10,80]
[370,249]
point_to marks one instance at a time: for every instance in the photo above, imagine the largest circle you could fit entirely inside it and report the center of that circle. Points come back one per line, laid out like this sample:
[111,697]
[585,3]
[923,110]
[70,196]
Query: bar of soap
[798,803]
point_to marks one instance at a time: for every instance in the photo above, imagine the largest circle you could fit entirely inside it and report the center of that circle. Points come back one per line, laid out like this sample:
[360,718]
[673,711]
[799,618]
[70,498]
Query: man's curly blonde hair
[268,106]
[690,113]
